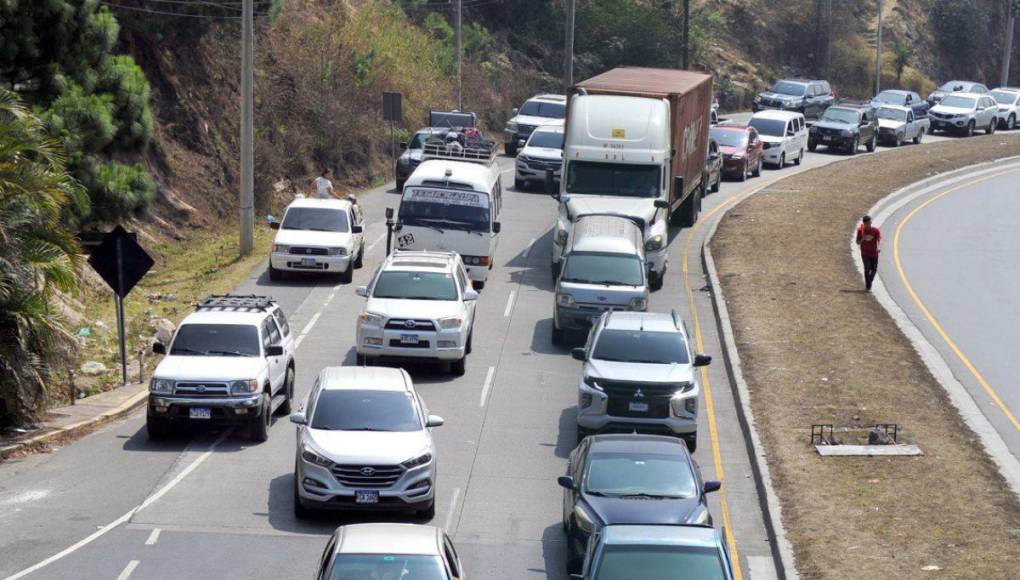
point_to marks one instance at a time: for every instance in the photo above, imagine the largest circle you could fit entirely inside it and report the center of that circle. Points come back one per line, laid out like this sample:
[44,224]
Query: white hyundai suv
[318,235]
[965,113]
[420,306]
[364,442]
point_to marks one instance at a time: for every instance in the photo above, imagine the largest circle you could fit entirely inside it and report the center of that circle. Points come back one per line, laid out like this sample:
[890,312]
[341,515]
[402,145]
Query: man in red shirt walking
[868,238]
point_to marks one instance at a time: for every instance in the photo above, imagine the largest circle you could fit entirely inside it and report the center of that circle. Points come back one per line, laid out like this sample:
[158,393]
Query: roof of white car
[418,261]
[646,321]
[478,176]
[216,316]
[777,115]
[385,538]
[331,203]
[373,378]
[600,233]
[550,98]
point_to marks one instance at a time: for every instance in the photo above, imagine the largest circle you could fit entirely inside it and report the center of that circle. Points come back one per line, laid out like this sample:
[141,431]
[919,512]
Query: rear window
[660,563]
[382,566]
[641,347]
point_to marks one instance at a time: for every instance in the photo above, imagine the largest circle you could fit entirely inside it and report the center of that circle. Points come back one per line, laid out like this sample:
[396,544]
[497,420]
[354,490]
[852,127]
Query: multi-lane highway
[115,505]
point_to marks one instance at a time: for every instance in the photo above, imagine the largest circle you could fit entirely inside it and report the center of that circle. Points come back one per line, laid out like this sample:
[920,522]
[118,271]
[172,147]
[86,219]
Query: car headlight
[846,132]
[164,386]
[565,300]
[244,387]
[312,457]
[592,382]
[584,520]
[511,126]
[654,243]
[702,519]
[451,322]
[336,251]
[418,461]
[640,304]
[281,248]
[369,319]
[789,102]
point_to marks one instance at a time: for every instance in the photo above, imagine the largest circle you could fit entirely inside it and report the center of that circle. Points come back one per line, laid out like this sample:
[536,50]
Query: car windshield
[625,562]
[617,179]
[542,109]
[415,286]
[954,86]
[383,566]
[608,269]
[838,115]
[546,139]
[1005,97]
[444,209]
[958,102]
[641,346]
[788,88]
[418,141]
[640,474]
[316,219]
[729,137]
[893,114]
[770,127]
[892,98]
[363,410]
[216,340]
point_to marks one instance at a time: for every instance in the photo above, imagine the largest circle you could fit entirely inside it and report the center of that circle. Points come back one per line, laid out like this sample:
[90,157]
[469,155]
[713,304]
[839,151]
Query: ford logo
[368,471]
[410,323]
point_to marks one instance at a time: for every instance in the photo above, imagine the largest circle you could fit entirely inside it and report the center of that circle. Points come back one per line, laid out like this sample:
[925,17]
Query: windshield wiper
[576,280]
[650,495]
[424,222]
[367,429]
[184,349]
[595,493]
[229,353]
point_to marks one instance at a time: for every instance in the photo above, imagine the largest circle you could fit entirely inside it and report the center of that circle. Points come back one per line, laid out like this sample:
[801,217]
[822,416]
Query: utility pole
[247,132]
[568,58]
[687,33]
[1012,8]
[878,52]
[457,18]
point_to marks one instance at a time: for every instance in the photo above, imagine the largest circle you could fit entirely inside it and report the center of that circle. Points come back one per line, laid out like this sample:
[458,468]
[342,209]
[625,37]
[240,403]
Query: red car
[741,150]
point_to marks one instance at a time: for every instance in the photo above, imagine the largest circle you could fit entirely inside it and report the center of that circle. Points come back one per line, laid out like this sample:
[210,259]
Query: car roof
[388,538]
[730,126]
[795,80]
[776,115]
[331,203]
[225,316]
[479,176]
[647,321]
[550,98]
[373,378]
[636,443]
[602,233]
[966,94]
[662,535]
[896,92]
[420,260]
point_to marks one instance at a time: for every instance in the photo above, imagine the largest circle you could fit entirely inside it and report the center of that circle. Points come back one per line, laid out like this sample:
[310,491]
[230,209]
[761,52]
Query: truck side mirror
[158,348]
[661,204]
[274,350]
[711,486]
[403,145]
[566,482]
[356,229]
[513,112]
[496,227]
[362,291]
[579,353]
[702,360]
[389,213]
[550,183]
[298,418]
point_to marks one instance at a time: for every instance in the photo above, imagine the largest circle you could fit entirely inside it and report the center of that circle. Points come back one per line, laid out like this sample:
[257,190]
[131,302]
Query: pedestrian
[323,186]
[868,238]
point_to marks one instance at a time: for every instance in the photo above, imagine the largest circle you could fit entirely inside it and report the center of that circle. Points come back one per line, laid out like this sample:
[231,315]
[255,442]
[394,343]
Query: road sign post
[393,112]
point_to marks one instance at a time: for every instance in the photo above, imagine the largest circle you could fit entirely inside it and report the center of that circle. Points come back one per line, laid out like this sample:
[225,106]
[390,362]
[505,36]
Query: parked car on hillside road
[847,126]
[318,235]
[784,136]
[908,99]
[808,97]
[965,113]
[898,124]
[951,87]
[1008,100]
[543,151]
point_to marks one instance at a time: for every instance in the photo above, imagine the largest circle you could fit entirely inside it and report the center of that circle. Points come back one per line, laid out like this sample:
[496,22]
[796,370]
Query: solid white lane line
[452,510]
[153,537]
[509,303]
[487,385]
[126,573]
[528,249]
[376,242]
[307,329]
[124,518]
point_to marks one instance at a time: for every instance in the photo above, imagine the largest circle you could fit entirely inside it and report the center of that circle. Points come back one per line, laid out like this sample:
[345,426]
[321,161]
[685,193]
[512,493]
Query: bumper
[771,155]
[318,488]
[300,263]
[832,140]
[734,167]
[377,342]
[579,318]
[890,136]
[594,417]
[222,411]
[949,125]
[525,172]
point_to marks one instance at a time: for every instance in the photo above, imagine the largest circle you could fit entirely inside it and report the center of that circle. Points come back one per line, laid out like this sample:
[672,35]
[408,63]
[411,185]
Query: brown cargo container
[690,102]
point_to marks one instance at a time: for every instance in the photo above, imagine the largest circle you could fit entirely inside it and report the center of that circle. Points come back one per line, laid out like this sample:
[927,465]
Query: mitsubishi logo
[369,471]
[410,323]
[638,394]
[200,388]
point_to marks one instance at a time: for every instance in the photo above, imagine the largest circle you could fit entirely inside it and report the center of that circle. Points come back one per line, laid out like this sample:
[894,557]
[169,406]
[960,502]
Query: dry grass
[798,316]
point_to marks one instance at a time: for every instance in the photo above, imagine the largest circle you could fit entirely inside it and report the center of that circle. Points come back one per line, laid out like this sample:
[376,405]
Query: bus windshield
[444,209]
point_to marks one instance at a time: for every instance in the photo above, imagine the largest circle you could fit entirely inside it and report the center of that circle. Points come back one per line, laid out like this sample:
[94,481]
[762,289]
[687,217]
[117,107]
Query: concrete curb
[959,396]
[80,427]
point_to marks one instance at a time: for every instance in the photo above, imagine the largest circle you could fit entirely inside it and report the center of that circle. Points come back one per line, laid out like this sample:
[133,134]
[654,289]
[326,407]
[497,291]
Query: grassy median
[815,349]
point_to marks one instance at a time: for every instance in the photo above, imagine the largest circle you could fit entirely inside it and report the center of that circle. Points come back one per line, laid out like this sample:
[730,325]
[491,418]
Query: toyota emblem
[200,388]
[369,471]
[410,323]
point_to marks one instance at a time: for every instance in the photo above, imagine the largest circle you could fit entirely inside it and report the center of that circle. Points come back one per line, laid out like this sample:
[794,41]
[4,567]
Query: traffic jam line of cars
[623,169]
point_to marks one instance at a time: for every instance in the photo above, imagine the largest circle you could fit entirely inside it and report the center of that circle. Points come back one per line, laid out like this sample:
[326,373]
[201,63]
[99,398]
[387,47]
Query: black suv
[847,125]
[808,97]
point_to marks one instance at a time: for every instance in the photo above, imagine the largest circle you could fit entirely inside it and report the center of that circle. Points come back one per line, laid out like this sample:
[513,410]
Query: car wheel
[782,161]
[557,335]
[1011,123]
[812,146]
[361,360]
[691,441]
[428,513]
[920,136]
[757,168]
[718,182]
[347,275]
[991,126]
[157,429]
[274,274]
[575,557]
[872,144]
[969,132]
[800,157]
[744,171]
[288,392]
[360,262]
[400,184]
[655,281]
[510,149]
[554,269]
[458,367]
[468,348]
[519,184]
[855,145]
[258,428]
[898,141]
[300,511]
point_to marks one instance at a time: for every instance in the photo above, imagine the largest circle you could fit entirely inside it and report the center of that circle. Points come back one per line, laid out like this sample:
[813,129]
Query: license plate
[408,339]
[307,261]
[199,413]
[638,407]
[366,496]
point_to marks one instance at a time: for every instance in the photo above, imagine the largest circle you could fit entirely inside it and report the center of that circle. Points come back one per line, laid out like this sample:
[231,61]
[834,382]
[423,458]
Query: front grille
[367,476]
[309,251]
[541,164]
[525,129]
[402,324]
[397,343]
[202,389]
[621,394]
[942,116]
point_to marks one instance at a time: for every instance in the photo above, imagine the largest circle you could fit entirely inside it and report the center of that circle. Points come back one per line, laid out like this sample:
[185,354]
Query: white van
[450,205]
[784,135]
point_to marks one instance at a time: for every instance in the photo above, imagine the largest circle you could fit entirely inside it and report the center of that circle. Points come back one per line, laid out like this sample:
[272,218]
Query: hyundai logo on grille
[638,394]
[410,323]
[368,471]
[308,250]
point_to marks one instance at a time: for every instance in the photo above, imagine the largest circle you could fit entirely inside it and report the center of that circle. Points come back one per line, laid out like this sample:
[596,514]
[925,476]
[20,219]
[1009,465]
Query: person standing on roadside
[323,186]
[868,238]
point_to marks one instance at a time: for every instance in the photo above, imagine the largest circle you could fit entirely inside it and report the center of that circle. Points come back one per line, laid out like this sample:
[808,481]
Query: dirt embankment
[815,349]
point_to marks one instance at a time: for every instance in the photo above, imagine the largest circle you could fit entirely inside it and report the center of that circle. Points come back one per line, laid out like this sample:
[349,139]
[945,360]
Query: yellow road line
[924,309]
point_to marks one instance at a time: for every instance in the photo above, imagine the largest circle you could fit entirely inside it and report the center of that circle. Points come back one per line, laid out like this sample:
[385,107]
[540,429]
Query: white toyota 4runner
[231,362]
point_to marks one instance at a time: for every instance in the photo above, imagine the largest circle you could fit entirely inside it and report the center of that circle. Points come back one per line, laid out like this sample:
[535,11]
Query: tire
[800,157]
[920,136]
[554,269]
[655,281]
[782,161]
[519,184]
[361,360]
[360,262]
[689,210]
[744,171]
[969,132]
[718,182]
[575,558]
[288,391]
[510,149]
[1011,123]
[757,168]
[855,146]
[558,337]
[347,276]
[400,185]
[872,144]
[459,366]
[468,347]
[300,511]
[991,126]
[428,513]
[898,141]
[691,441]
[274,274]
[812,146]
[258,427]
[157,429]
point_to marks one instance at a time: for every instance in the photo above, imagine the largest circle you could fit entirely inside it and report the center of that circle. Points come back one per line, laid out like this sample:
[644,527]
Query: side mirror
[470,294]
[661,204]
[513,112]
[711,486]
[362,291]
[158,348]
[713,156]
[403,145]
[550,182]
[566,482]
[298,418]
[434,421]
[496,227]
[702,360]
[910,98]
[356,229]
[389,213]
[274,350]
[275,225]
[578,353]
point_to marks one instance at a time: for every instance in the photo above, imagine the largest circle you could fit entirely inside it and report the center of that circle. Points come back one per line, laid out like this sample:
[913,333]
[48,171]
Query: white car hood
[369,447]
[310,238]
[640,373]
[890,124]
[209,368]
[535,121]
[418,309]
[637,207]
[545,153]
[950,110]
[770,138]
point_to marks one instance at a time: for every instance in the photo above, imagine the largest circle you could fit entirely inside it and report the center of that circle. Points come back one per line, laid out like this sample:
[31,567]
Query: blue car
[908,99]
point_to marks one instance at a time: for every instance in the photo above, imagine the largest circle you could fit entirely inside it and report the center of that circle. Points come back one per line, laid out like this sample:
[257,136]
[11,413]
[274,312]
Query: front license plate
[408,339]
[308,261]
[366,496]
[826,138]
[200,413]
[638,407]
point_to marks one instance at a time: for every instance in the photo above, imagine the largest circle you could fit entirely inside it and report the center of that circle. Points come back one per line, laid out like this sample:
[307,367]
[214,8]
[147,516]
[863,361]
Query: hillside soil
[815,348]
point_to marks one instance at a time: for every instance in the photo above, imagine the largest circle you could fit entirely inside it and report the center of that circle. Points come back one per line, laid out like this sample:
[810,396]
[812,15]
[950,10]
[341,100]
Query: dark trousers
[870,269]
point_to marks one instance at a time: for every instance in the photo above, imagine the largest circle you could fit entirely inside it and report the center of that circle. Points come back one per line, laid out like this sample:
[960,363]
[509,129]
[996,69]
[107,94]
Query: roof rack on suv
[236,302]
[852,103]
[460,146]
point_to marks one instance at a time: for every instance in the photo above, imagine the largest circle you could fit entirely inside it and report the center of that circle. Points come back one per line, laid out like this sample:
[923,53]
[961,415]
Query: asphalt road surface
[114,505]
[958,280]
